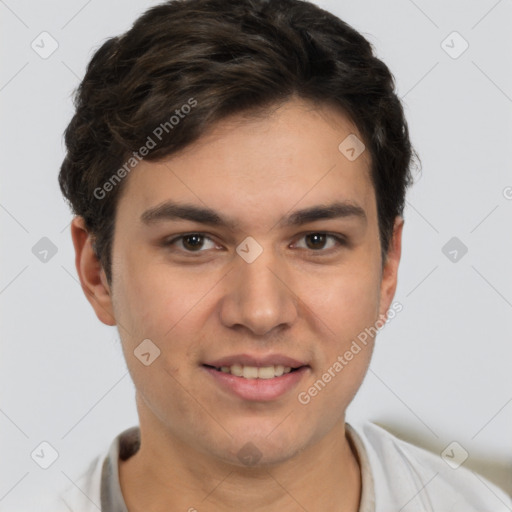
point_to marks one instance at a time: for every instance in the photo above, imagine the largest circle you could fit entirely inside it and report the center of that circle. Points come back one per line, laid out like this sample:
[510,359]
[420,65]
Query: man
[238,173]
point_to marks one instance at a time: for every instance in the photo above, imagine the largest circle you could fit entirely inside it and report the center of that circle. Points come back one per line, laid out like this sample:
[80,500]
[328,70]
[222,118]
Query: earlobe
[91,274]
[390,269]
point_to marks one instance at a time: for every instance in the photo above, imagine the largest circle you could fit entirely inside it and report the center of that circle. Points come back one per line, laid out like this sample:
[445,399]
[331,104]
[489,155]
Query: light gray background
[441,369]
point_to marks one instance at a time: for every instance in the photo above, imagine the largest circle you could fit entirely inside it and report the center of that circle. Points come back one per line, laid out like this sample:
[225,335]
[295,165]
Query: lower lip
[258,389]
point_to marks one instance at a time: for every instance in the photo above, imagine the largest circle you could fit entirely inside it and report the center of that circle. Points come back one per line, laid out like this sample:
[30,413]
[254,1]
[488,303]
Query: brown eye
[190,243]
[322,242]
[193,242]
[316,240]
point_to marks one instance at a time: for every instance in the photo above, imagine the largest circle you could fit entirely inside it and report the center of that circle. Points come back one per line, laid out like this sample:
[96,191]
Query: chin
[250,447]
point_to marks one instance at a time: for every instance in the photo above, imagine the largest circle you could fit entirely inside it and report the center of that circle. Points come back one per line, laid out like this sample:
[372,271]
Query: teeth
[254,372]
[237,370]
[267,372]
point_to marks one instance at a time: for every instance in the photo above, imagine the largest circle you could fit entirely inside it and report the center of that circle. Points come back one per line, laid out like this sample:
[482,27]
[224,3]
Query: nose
[259,296]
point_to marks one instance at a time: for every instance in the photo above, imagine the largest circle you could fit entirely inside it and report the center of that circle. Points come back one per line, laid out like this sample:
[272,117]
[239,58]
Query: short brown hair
[223,57]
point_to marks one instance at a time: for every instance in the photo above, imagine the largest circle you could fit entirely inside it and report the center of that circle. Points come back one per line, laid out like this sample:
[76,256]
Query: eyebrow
[171,210]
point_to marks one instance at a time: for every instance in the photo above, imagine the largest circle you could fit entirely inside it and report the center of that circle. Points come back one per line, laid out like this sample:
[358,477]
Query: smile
[254,372]
[256,383]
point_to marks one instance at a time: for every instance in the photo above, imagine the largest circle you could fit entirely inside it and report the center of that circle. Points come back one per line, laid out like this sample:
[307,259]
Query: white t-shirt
[396,477]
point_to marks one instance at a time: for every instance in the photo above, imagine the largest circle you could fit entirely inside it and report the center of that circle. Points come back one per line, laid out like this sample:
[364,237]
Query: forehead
[296,155]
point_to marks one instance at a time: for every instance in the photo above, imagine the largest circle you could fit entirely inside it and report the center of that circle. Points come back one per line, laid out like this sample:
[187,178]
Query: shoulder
[410,478]
[83,494]
[98,487]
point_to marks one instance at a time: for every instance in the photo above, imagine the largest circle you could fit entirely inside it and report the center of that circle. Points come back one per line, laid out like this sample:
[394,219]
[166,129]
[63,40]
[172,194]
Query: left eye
[318,241]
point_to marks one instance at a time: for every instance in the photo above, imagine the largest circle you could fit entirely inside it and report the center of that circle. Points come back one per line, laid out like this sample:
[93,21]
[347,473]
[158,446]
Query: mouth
[257,378]
[254,372]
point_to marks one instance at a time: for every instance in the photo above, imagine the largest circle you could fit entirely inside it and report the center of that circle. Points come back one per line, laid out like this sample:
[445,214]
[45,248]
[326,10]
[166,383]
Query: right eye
[190,242]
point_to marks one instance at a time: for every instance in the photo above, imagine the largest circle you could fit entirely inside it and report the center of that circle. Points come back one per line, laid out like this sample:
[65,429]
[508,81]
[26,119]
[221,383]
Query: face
[252,262]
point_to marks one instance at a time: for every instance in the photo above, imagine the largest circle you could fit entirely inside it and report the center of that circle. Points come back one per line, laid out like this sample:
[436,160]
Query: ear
[390,269]
[92,276]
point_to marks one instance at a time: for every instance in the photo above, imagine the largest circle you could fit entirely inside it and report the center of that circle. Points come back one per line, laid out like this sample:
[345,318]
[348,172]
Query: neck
[167,474]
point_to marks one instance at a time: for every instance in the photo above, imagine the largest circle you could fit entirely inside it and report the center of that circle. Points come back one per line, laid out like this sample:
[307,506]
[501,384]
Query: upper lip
[258,361]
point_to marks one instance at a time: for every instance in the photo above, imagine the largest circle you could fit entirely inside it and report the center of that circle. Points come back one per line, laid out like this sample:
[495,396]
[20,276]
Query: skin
[307,303]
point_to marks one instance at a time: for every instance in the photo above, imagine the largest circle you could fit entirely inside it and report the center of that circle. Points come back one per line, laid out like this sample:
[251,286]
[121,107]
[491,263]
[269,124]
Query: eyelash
[340,240]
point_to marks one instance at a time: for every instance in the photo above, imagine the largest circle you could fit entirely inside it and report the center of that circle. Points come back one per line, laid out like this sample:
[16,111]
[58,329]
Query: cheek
[348,309]
[350,313]
[152,299]
[345,301]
